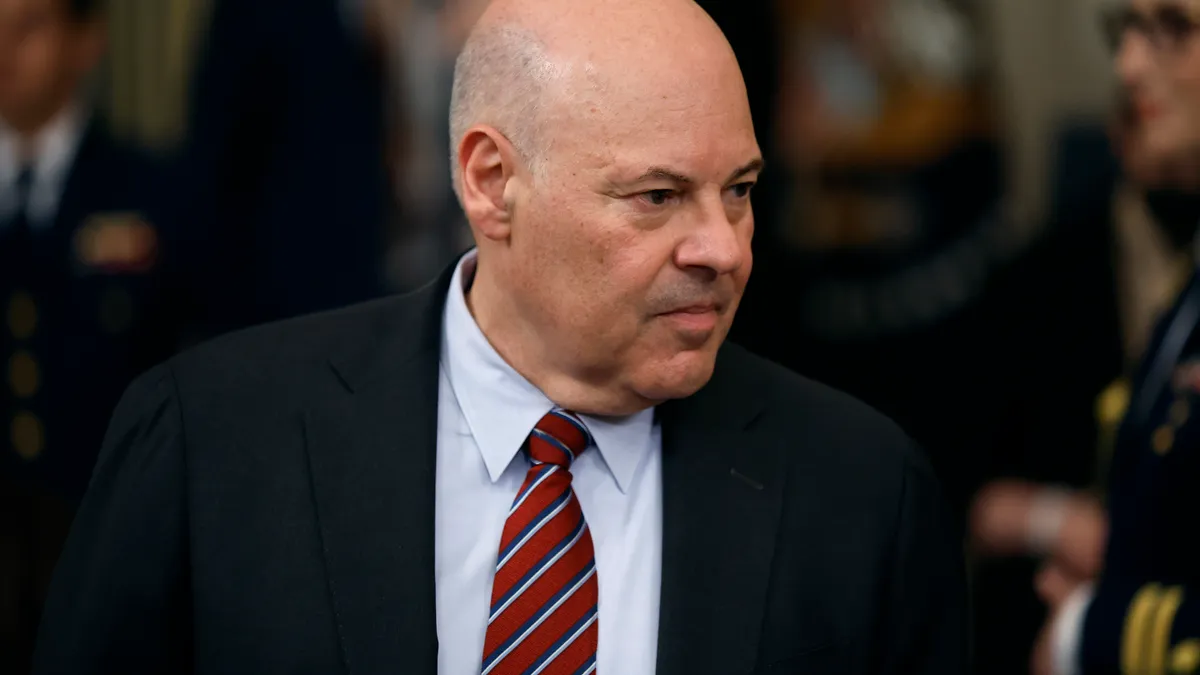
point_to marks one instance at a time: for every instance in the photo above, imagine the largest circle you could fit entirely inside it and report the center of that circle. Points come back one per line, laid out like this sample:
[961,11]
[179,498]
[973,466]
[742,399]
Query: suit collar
[411,329]
[372,442]
[723,486]
[732,400]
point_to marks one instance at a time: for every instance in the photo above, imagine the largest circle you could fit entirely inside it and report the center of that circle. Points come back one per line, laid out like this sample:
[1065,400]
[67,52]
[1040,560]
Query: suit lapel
[722,494]
[372,446]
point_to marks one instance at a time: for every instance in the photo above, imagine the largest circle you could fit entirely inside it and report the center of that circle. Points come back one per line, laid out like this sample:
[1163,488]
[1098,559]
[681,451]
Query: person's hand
[1000,517]
[1022,518]
[1066,596]
[1081,538]
[1041,661]
[1054,584]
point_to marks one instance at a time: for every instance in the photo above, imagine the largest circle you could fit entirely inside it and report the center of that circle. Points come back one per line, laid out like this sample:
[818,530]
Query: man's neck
[527,354]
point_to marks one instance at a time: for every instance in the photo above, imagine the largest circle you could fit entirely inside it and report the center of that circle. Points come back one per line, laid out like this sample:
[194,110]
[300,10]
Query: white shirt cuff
[1067,632]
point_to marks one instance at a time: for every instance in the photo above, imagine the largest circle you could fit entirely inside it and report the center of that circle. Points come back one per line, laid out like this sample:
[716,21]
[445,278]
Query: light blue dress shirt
[53,154]
[485,412]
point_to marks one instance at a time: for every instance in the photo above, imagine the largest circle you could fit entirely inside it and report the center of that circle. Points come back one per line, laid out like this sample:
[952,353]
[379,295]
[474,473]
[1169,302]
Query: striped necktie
[544,618]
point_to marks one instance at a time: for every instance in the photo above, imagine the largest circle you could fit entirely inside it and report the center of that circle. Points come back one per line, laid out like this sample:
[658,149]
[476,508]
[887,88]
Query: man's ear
[487,164]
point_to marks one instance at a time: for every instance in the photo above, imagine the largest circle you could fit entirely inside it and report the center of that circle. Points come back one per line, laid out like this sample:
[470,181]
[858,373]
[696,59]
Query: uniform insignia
[117,243]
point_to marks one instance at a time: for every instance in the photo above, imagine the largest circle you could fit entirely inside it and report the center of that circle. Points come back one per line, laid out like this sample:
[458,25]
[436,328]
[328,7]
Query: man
[77,250]
[543,462]
[1141,615]
[76,283]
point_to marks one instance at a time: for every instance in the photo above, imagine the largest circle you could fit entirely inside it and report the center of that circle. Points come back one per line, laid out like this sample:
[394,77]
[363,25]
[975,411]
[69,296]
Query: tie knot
[24,183]
[558,439]
[25,177]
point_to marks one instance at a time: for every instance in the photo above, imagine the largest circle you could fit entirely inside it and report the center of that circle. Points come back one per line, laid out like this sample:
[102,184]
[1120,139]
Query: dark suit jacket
[265,504]
[283,184]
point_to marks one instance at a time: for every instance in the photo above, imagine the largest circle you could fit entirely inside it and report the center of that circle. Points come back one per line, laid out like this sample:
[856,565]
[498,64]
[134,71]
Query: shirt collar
[501,407]
[53,152]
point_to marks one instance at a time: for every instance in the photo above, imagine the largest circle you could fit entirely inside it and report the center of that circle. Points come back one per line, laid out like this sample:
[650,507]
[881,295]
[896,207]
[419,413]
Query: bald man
[544,462]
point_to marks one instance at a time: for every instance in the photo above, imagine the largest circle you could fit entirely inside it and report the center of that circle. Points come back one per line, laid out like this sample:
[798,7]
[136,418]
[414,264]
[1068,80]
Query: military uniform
[1145,614]
[77,313]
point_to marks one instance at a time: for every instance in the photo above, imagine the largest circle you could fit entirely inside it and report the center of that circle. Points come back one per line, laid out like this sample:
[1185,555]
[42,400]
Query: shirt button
[1186,657]
[28,436]
[1163,439]
[23,374]
[22,316]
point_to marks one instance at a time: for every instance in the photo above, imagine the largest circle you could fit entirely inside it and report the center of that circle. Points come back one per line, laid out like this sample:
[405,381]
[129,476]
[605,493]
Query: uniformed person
[77,263]
[77,248]
[1142,614]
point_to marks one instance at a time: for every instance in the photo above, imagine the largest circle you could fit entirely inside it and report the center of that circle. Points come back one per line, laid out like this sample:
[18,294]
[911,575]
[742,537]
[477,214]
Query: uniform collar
[51,153]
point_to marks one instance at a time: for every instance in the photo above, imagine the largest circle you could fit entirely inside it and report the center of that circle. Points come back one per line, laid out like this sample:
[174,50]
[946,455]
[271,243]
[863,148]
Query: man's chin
[682,376]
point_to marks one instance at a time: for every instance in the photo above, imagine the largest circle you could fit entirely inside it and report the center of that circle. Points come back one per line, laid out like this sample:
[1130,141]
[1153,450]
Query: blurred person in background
[284,184]
[1121,590]
[78,289]
[892,270]
[893,179]
[421,39]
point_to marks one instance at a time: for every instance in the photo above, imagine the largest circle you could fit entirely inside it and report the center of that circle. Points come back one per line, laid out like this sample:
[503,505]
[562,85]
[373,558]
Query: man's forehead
[703,147]
[629,159]
[16,8]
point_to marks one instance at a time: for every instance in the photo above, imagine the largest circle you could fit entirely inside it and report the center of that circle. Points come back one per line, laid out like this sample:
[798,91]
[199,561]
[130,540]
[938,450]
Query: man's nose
[1135,59]
[714,242]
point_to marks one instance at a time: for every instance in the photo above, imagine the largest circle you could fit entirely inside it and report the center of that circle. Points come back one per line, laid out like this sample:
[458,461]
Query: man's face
[631,247]
[1158,65]
[43,56]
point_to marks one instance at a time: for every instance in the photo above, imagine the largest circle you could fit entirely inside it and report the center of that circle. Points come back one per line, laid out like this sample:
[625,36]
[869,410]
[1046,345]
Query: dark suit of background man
[543,462]
[77,285]
[283,188]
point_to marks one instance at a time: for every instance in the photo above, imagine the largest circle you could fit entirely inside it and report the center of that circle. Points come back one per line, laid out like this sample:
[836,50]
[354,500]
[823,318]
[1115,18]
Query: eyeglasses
[1168,27]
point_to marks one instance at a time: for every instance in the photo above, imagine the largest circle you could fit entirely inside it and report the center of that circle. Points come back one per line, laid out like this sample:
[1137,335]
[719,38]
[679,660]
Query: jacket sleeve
[1144,627]
[119,598]
[927,626]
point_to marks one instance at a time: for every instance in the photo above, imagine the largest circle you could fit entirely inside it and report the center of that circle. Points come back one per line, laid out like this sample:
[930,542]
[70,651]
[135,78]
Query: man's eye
[658,197]
[742,190]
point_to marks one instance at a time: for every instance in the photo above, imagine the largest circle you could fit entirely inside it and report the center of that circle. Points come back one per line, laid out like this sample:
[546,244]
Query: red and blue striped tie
[544,619]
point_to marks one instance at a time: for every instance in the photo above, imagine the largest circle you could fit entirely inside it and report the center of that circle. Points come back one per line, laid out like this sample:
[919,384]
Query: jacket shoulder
[286,356]
[841,428]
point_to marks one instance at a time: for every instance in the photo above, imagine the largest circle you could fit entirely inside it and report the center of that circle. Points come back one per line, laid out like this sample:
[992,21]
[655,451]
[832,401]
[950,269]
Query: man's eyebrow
[663,173]
[756,165]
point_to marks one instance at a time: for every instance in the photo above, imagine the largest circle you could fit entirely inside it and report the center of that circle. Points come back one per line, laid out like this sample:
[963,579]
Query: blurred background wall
[145,81]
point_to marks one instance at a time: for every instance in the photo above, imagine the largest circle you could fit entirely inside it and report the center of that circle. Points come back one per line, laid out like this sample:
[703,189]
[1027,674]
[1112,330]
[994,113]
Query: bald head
[604,156]
[526,60]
